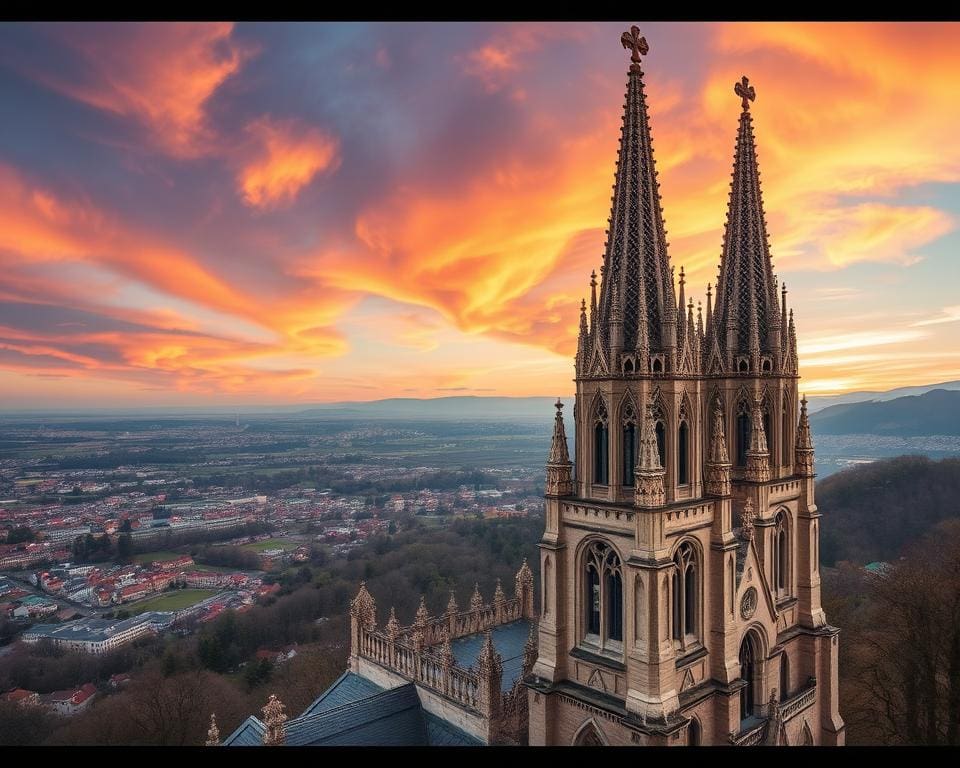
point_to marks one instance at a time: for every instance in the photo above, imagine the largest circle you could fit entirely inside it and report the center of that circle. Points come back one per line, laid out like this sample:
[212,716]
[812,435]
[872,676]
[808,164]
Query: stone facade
[680,581]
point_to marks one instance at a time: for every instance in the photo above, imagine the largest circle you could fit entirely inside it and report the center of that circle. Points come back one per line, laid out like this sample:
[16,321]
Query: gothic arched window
[601,442]
[693,733]
[743,432]
[629,447]
[781,554]
[603,604]
[749,671]
[683,454]
[686,595]
[784,676]
[660,428]
[786,440]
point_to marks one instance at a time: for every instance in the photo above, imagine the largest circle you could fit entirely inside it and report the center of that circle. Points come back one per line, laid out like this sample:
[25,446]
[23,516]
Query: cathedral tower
[680,558]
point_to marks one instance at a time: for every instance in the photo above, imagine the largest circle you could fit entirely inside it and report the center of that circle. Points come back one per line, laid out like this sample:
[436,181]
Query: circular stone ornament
[748,603]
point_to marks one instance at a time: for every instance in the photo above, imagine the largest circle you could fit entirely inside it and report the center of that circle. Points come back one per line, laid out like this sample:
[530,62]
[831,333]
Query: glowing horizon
[200,214]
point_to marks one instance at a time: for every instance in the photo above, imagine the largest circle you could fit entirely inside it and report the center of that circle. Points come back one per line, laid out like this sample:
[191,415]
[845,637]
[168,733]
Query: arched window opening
[603,599]
[784,677]
[588,737]
[781,555]
[749,694]
[743,435]
[683,459]
[629,445]
[601,445]
[593,599]
[693,733]
[743,366]
[766,431]
[614,606]
[662,443]
[657,365]
[786,441]
[686,595]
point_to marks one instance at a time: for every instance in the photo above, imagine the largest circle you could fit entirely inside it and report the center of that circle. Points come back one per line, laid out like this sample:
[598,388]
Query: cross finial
[745,91]
[637,44]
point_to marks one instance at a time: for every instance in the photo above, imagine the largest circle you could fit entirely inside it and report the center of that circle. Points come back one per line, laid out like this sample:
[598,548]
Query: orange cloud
[160,74]
[286,157]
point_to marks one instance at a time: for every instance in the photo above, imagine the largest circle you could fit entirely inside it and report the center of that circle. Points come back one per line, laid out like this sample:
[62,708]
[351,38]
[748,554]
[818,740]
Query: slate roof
[508,639]
[348,687]
[355,711]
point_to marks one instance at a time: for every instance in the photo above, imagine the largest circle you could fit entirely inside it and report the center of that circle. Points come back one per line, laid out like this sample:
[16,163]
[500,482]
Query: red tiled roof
[18,694]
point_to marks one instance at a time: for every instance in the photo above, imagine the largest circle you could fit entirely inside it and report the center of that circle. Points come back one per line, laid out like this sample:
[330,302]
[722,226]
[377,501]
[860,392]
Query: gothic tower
[680,559]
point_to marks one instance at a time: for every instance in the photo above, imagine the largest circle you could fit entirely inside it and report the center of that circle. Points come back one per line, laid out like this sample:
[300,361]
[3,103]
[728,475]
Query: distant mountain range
[933,413]
[819,402]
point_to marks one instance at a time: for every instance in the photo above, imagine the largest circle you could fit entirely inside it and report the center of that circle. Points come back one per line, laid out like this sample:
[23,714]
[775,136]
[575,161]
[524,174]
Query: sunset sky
[197,214]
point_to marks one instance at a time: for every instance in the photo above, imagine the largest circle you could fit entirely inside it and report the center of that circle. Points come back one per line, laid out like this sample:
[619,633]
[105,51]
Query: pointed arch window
[683,454]
[784,676]
[660,428]
[686,596]
[750,672]
[601,443]
[781,555]
[603,599]
[629,444]
[786,439]
[743,432]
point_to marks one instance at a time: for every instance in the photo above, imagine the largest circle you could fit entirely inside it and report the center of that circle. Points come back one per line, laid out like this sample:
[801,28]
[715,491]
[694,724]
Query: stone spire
[447,658]
[523,589]
[583,340]
[452,607]
[636,294]
[803,456]
[650,490]
[746,521]
[718,461]
[274,719]
[364,608]
[213,734]
[476,599]
[393,626]
[559,467]
[499,598]
[423,615]
[489,662]
[758,455]
[746,319]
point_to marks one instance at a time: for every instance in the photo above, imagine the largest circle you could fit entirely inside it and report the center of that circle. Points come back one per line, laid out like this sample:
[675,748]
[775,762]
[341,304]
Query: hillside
[932,413]
[873,511]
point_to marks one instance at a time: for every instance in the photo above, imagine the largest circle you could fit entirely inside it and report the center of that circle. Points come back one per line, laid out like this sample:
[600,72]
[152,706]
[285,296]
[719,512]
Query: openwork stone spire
[746,320]
[650,490]
[758,455]
[452,606]
[364,607]
[393,626]
[213,733]
[476,599]
[637,291]
[718,463]
[746,521]
[803,457]
[559,467]
[274,719]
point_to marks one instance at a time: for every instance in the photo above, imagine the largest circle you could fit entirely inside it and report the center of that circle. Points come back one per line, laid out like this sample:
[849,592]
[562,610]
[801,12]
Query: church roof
[357,712]
[746,288]
[637,286]
[508,640]
[348,687]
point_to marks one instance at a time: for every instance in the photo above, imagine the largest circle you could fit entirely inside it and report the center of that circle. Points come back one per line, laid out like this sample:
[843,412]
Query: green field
[212,568]
[148,557]
[260,546]
[173,601]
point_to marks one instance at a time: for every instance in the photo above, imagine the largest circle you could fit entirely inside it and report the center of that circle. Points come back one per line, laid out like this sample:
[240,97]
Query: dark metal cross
[745,91]
[633,40]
